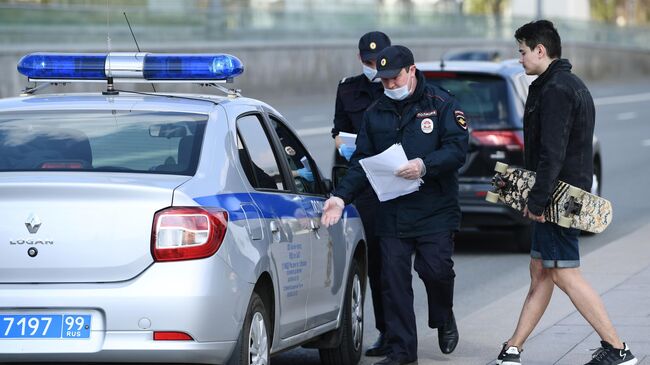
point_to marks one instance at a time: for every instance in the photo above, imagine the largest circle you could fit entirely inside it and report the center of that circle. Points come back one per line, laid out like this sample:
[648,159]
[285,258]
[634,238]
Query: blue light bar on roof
[191,67]
[88,66]
[131,67]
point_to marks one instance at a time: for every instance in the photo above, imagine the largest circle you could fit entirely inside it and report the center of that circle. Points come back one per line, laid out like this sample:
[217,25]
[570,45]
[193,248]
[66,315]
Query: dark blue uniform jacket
[353,96]
[434,208]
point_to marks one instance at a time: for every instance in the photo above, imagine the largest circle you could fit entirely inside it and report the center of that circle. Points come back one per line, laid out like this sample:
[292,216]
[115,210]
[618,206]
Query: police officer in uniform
[353,97]
[431,127]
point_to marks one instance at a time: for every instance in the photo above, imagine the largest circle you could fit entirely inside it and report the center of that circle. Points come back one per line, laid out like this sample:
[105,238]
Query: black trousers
[367,204]
[435,267]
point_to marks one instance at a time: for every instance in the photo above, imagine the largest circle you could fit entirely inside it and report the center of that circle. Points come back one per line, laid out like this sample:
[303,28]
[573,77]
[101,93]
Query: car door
[327,260]
[285,222]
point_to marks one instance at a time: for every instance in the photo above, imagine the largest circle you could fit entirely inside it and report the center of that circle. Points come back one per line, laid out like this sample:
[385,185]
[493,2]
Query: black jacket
[434,208]
[558,132]
[353,96]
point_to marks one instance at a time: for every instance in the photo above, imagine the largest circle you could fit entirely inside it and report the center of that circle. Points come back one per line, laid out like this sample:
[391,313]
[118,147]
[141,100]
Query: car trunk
[65,227]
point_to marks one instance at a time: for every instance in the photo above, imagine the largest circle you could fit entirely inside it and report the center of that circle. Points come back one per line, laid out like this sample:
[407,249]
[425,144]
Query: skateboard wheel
[575,192]
[501,167]
[565,222]
[492,197]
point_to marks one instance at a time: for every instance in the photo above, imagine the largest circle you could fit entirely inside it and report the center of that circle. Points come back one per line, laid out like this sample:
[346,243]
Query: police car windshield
[101,140]
[483,98]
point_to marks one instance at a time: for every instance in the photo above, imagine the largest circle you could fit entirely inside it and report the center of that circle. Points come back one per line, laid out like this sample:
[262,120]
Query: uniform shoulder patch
[460,119]
[349,79]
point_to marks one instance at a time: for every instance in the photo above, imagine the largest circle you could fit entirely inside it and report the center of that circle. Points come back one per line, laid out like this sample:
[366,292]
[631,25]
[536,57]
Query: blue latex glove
[346,151]
[306,174]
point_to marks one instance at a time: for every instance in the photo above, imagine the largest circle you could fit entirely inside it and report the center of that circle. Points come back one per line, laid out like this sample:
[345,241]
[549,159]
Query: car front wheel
[348,352]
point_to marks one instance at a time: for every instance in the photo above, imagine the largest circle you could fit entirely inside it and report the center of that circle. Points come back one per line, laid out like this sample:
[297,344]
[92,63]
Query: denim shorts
[556,246]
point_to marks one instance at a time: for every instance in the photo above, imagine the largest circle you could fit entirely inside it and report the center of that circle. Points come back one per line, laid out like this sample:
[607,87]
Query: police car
[152,227]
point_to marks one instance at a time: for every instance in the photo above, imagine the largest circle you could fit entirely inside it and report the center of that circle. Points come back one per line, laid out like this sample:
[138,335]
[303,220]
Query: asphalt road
[485,264]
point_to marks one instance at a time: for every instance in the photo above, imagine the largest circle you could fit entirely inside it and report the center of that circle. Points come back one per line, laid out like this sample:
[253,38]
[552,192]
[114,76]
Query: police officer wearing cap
[431,127]
[353,97]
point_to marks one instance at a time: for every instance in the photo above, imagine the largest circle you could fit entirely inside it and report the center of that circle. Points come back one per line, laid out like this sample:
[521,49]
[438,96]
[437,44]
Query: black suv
[492,95]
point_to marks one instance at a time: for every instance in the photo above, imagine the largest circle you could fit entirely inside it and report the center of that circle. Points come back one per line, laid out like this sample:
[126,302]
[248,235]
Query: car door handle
[274,227]
[315,226]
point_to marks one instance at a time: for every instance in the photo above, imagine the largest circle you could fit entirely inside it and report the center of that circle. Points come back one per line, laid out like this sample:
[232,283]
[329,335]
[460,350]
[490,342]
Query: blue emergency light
[130,67]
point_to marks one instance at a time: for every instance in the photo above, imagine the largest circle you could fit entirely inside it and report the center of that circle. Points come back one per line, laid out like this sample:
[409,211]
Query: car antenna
[136,41]
[110,90]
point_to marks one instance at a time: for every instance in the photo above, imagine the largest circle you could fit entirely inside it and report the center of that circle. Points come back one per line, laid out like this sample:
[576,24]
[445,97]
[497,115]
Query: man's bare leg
[587,301]
[539,295]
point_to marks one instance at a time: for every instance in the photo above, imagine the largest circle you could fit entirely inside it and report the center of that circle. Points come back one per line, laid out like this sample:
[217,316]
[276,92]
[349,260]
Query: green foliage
[486,7]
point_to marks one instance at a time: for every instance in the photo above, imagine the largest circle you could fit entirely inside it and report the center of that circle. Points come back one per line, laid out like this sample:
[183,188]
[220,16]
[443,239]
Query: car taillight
[62,165]
[512,140]
[440,75]
[186,233]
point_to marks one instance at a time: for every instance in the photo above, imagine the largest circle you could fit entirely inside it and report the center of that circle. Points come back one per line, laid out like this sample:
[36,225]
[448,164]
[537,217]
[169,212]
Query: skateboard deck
[569,206]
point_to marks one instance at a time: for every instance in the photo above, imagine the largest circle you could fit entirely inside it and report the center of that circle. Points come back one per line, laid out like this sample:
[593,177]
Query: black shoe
[389,361]
[379,348]
[448,335]
[608,355]
[509,355]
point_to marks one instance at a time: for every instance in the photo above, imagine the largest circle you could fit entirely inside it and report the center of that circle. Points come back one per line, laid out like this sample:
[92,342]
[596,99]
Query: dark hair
[541,32]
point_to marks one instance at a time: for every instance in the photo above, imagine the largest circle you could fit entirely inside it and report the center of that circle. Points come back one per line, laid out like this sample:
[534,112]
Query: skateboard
[570,207]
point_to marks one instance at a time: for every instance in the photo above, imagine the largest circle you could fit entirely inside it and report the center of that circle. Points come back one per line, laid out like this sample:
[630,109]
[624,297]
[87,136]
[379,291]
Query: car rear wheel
[348,352]
[596,185]
[254,341]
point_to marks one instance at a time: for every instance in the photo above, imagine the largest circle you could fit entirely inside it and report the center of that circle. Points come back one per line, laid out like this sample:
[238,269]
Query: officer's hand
[412,170]
[332,211]
[346,151]
[306,174]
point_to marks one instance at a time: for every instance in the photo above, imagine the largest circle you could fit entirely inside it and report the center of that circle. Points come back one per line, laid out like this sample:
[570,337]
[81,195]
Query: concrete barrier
[277,68]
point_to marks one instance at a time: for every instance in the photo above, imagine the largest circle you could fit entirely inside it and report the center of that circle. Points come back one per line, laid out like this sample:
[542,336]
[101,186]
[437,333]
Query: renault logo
[33,223]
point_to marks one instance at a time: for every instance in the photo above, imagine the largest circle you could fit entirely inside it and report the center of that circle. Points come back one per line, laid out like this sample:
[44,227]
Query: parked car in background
[491,55]
[157,227]
[492,95]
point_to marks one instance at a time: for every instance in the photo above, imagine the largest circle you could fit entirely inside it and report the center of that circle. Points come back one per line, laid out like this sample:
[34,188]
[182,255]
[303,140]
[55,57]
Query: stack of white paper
[380,170]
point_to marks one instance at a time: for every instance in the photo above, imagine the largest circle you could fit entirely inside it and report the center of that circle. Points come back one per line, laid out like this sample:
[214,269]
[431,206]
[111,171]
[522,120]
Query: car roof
[191,103]
[503,68]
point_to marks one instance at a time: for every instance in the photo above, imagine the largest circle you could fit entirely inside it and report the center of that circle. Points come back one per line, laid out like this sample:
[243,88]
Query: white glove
[332,211]
[412,170]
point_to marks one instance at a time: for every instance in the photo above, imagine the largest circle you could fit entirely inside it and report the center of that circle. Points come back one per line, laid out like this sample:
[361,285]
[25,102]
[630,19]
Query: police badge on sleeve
[460,119]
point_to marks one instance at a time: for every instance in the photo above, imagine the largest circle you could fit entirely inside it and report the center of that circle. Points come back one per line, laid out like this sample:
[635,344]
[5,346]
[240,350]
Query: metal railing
[198,22]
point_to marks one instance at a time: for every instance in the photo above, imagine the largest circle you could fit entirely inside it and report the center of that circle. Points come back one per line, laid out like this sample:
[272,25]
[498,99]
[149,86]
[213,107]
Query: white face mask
[370,73]
[399,93]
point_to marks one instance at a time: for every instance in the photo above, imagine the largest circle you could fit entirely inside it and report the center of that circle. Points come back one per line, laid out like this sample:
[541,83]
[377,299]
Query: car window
[303,169]
[102,140]
[484,98]
[256,155]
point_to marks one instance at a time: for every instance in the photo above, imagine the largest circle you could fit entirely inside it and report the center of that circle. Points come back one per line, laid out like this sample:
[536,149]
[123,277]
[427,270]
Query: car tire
[522,238]
[254,341]
[348,352]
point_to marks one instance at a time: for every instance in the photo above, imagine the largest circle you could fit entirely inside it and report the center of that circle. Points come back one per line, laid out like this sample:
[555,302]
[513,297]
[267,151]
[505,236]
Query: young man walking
[558,130]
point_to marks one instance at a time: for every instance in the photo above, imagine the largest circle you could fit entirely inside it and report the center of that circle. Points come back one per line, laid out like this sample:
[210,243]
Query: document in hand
[349,139]
[380,170]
